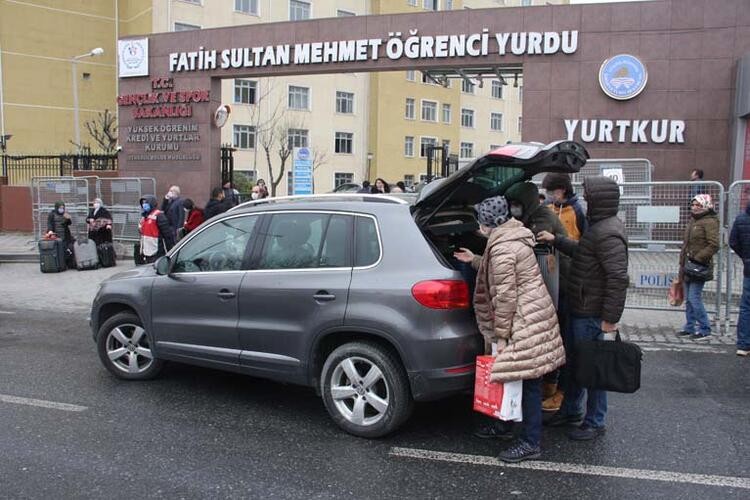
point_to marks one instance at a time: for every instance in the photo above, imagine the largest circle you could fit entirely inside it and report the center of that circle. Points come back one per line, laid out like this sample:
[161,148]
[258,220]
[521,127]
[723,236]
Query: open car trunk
[444,210]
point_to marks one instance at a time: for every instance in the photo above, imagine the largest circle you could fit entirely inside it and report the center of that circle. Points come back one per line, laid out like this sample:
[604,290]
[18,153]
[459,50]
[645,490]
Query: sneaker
[519,452]
[699,337]
[743,352]
[683,333]
[553,403]
[548,390]
[494,430]
[586,433]
[560,420]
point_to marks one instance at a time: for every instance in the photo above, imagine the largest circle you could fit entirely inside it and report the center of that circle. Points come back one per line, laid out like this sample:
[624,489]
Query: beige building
[358,125]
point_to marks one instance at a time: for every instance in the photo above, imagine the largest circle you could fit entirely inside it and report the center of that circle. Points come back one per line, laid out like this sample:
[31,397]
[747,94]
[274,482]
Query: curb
[25,258]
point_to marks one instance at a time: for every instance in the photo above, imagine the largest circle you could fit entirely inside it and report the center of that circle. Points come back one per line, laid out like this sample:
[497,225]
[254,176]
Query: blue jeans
[695,312]
[583,329]
[743,322]
[531,407]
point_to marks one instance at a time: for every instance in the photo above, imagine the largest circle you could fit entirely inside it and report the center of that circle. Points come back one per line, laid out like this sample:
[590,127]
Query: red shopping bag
[488,396]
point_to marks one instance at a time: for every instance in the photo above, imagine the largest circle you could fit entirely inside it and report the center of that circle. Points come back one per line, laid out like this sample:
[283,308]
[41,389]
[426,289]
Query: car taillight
[442,294]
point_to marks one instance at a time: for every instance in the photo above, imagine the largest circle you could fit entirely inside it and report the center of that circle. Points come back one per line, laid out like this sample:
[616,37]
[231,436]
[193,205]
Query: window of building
[496,121]
[520,124]
[245,91]
[520,93]
[408,146]
[429,111]
[185,27]
[497,89]
[409,112]
[446,113]
[409,181]
[341,178]
[299,10]
[448,4]
[527,3]
[466,86]
[423,178]
[344,143]
[298,137]
[246,6]
[467,150]
[494,147]
[467,117]
[411,75]
[220,247]
[424,143]
[344,102]
[344,13]
[413,3]
[244,136]
[428,80]
[431,4]
[299,97]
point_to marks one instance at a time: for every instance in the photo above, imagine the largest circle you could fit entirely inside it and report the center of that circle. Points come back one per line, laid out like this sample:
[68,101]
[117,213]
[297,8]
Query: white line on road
[41,403]
[7,312]
[590,470]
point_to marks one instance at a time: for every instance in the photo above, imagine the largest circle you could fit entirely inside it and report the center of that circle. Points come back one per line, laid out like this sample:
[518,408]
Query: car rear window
[367,244]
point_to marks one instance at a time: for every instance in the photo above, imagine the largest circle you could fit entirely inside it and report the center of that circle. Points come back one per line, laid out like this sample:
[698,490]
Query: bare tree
[319,158]
[103,129]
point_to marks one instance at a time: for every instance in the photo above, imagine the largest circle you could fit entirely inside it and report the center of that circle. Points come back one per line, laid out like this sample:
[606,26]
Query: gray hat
[492,212]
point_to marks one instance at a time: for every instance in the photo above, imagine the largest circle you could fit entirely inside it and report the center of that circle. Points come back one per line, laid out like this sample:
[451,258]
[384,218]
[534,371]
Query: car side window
[307,240]
[367,245]
[220,247]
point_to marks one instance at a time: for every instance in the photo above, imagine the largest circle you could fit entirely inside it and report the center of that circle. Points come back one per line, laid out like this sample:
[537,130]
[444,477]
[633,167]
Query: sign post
[302,182]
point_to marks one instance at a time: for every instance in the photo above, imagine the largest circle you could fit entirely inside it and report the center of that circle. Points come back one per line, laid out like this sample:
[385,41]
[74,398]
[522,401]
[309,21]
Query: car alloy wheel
[128,349]
[359,391]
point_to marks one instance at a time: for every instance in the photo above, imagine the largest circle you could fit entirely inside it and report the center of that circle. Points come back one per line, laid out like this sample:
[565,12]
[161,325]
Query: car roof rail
[380,198]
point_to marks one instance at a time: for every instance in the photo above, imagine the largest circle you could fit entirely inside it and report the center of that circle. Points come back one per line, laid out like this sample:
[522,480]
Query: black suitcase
[106,252]
[137,257]
[52,256]
[608,365]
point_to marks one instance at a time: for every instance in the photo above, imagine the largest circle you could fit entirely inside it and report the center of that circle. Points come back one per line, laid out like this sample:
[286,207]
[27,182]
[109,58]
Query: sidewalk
[18,247]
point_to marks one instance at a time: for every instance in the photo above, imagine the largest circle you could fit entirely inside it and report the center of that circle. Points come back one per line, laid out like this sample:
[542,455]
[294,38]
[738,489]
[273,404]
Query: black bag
[608,365]
[696,271]
[138,258]
[52,256]
[106,253]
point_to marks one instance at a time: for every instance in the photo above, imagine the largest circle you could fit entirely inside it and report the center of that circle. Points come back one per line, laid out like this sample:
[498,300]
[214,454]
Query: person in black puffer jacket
[739,241]
[597,290]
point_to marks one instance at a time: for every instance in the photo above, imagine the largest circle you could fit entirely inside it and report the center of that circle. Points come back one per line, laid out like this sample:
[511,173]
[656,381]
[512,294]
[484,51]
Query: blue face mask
[61,210]
[146,207]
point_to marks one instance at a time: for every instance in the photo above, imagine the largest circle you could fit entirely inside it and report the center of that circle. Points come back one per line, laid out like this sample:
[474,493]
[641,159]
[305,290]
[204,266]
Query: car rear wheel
[365,389]
[125,349]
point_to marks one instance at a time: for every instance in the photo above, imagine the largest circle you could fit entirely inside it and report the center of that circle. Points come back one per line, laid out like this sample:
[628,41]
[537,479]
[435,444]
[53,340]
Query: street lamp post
[369,161]
[94,52]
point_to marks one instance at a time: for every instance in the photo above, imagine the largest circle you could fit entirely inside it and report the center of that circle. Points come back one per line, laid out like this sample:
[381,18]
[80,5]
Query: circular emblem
[132,54]
[303,154]
[221,115]
[623,77]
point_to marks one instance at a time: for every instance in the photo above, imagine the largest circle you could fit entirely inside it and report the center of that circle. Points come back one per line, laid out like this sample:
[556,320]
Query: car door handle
[226,294]
[324,296]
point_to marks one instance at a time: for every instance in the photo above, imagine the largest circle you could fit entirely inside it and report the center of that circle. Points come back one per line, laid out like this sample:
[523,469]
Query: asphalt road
[198,433]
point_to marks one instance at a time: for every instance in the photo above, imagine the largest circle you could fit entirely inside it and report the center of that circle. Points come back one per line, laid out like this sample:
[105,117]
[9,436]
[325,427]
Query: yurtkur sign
[626,131]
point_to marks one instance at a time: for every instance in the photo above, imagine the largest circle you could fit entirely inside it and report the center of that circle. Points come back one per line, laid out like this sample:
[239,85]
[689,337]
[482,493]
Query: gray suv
[356,295]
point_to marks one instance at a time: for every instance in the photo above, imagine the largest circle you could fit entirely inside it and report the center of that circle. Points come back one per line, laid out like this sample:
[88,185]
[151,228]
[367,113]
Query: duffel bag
[608,365]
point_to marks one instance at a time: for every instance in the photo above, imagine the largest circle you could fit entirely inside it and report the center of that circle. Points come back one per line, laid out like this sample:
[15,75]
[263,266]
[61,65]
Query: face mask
[146,207]
[516,212]
[254,195]
[61,210]
[169,195]
[97,206]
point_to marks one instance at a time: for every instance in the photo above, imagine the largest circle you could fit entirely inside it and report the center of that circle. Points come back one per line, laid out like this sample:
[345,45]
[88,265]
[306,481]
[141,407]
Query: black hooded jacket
[166,234]
[599,269]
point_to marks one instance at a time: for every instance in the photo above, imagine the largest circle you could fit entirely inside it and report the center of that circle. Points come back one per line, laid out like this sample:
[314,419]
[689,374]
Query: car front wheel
[125,349]
[365,389]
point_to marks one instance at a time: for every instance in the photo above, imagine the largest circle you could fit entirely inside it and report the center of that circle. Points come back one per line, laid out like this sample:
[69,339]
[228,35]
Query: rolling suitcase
[86,256]
[52,256]
[106,253]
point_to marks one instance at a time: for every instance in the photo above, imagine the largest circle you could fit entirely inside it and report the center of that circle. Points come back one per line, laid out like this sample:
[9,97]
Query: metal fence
[738,197]
[21,169]
[120,195]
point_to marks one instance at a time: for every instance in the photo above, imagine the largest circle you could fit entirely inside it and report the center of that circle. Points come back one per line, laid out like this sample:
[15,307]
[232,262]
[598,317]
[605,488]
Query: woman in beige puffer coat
[515,312]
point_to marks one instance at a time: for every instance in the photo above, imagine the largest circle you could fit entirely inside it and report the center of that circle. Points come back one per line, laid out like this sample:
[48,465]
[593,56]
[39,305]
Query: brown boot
[548,389]
[553,403]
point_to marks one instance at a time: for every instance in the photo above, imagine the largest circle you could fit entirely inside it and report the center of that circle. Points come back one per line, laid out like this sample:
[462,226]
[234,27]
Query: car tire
[124,348]
[377,401]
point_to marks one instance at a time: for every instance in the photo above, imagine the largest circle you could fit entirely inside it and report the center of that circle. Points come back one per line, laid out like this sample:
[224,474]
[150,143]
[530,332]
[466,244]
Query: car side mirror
[163,266]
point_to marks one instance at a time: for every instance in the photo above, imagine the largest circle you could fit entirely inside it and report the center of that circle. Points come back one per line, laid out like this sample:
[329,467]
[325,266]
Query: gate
[227,165]
[737,200]
[21,169]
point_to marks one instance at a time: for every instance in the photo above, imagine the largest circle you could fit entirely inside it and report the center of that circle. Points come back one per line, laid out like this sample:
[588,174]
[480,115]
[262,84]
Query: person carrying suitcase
[58,224]
[157,236]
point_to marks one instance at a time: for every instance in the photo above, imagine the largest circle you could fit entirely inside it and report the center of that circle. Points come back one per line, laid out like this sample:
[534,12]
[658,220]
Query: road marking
[41,403]
[7,312]
[590,470]
[685,348]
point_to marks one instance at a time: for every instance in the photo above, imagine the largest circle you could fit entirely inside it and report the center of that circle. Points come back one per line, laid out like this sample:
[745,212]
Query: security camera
[118,149]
